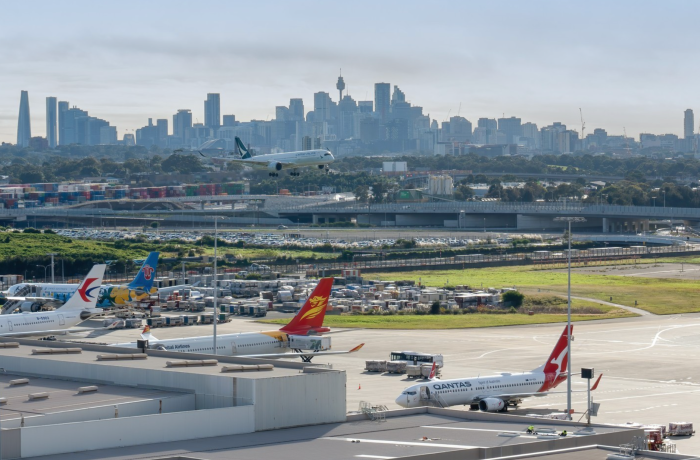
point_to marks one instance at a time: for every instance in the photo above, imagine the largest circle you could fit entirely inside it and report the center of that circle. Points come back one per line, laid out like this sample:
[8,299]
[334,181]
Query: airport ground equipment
[375,366]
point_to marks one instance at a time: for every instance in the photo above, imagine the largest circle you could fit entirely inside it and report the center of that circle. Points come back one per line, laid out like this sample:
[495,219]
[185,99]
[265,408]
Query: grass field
[657,295]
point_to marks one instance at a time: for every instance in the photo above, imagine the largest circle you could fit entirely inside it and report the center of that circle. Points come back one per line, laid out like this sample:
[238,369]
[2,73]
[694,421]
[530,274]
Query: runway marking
[630,397]
[663,271]
[404,443]
[640,410]
[657,338]
[371,456]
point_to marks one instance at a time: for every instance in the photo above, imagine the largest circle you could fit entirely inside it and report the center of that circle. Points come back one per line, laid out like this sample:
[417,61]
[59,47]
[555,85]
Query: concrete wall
[133,431]
[323,402]
[185,402]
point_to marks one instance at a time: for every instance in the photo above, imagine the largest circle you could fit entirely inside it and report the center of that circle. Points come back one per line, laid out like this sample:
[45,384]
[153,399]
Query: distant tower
[212,111]
[688,124]
[52,121]
[340,86]
[382,100]
[24,127]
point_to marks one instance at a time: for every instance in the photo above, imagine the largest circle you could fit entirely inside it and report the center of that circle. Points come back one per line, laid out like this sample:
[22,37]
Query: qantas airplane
[493,393]
[76,310]
[276,162]
[300,333]
[53,294]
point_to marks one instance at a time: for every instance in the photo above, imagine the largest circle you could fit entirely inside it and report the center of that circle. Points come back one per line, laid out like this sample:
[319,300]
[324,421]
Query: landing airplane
[494,393]
[77,309]
[276,162]
[300,333]
[53,294]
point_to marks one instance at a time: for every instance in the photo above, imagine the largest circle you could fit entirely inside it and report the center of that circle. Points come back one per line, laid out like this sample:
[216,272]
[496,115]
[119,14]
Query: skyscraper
[51,122]
[62,109]
[382,100]
[24,127]
[212,111]
[182,122]
[511,127]
[688,124]
[296,109]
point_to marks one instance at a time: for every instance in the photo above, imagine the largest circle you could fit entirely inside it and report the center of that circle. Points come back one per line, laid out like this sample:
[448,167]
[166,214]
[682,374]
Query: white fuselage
[244,343]
[469,390]
[61,292]
[37,322]
[291,160]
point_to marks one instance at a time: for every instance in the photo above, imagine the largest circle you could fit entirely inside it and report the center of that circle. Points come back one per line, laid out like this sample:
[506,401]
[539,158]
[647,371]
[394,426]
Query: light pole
[52,270]
[44,267]
[568,315]
[216,281]
[664,192]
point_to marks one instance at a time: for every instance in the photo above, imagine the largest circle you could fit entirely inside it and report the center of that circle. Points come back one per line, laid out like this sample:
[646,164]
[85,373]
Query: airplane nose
[402,401]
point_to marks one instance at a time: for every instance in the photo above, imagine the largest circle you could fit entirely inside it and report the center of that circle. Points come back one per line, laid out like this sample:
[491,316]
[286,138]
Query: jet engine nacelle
[321,166]
[491,405]
[274,166]
[31,307]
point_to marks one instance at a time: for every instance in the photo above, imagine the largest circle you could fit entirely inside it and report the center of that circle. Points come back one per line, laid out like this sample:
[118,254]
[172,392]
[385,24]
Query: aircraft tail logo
[85,299]
[243,152]
[311,315]
[145,277]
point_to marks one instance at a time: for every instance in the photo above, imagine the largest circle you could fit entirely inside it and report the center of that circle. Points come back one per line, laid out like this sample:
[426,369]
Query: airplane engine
[31,307]
[274,166]
[491,405]
[85,315]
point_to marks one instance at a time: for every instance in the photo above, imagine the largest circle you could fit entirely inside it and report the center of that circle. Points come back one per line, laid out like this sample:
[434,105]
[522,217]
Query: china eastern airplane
[276,162]
[77,309]
[268,344]
[110,294]
[493,393]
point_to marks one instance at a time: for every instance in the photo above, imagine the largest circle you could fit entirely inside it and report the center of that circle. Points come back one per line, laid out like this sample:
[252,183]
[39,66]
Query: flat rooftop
[156,360]
[64,396]
[396,437]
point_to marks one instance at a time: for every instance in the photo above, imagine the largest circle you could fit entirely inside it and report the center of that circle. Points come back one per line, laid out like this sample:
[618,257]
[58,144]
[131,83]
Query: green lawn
[657,295]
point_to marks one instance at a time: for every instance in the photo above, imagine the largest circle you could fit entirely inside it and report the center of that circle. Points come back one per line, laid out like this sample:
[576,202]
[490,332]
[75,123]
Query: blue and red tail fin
[310,317]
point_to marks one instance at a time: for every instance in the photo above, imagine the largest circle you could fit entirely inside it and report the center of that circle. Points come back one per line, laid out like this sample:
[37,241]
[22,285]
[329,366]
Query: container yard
[54,194]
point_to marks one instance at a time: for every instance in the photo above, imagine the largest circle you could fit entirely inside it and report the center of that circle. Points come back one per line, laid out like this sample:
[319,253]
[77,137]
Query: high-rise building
[51,122]
[229,120]
[296,109]
[162,125]
[488,123]
[365,106]
[322,106]
[62,108]
[511,127]
[24,126]
[382,100]
[182,122]
[212,111]
[68,126]
[688,124]
[398,96]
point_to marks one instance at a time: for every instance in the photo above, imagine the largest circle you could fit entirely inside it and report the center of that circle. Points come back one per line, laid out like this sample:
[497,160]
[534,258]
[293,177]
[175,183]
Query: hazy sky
[630,64]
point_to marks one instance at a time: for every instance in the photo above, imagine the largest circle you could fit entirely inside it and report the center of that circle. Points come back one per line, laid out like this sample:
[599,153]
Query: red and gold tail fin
[311,315]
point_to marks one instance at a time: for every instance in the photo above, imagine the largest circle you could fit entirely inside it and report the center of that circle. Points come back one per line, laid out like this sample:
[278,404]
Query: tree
[514,298]
[361,193]
[435,308]
[464,193]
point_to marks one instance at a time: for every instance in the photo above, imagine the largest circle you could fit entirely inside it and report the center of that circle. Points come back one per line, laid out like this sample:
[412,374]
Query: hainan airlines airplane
[299,334]
[78,308]
[110,294]
[493,393]
[276,162]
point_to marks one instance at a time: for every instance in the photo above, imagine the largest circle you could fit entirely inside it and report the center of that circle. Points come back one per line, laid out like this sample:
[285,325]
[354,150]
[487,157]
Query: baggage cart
[680,429]
[375,366]
[173,321]
[396,367]
[155,322]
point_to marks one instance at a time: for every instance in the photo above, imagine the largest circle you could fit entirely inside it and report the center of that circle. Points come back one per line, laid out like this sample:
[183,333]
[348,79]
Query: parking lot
[650,364]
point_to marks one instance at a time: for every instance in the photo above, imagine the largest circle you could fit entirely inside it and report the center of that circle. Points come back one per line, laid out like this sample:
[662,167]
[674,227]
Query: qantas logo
[147,272]
[318,304]
[85,291]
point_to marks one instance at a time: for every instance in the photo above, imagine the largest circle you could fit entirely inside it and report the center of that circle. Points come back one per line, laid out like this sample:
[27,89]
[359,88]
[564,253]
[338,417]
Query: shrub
[514,298]
[435,308]
[31,230]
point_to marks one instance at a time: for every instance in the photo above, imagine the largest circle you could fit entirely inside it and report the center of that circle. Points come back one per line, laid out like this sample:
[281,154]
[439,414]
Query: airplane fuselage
[110,294]
[468,391]
[37,322]
[244,343]
[290,160]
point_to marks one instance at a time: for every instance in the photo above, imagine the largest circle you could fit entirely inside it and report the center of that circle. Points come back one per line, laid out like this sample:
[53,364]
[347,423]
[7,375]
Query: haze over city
[627,64]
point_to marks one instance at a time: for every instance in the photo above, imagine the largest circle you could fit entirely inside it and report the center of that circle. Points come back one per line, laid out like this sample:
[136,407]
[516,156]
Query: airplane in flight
[276,162]
[77,309]
[493,393]
[300,334]
[32,297]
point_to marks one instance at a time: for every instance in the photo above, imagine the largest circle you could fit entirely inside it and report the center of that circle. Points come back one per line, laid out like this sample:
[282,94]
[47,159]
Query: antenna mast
[583,124]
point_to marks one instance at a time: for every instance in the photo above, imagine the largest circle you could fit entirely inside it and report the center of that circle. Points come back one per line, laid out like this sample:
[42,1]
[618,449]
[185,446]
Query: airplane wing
[303,355]
[56,331]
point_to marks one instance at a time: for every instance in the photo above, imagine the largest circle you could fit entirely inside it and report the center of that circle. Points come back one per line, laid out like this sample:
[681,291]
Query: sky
[627,64]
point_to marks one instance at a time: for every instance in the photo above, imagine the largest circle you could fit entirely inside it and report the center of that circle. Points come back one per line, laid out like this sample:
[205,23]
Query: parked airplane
[77,309]
[33,296]
[276,162]
[300,334]
[493,393]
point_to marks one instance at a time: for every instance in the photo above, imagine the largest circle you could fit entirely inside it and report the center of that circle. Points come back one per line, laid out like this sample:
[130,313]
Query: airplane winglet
[357,348]
[597,382]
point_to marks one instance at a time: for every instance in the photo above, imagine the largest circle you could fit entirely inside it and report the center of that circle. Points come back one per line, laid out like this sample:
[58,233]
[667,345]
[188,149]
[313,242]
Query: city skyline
[606,64]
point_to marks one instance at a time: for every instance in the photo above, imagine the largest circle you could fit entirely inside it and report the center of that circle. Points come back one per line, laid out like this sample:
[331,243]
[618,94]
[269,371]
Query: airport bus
[413,357]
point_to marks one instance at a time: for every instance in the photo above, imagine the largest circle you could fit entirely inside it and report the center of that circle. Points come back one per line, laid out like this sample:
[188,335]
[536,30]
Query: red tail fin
[310,317]
[559,359]
[433,371]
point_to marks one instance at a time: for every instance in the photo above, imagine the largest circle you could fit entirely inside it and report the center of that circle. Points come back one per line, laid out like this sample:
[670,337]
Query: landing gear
[295,173]
[274,175]
[473,407]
